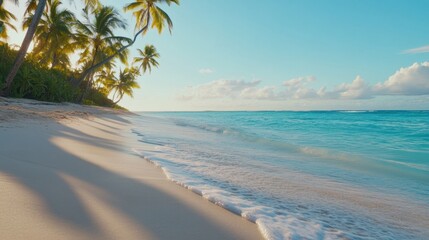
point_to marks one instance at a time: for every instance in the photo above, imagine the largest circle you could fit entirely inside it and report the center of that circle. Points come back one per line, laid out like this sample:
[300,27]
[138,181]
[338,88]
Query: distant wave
[410,165]
[356,111]
[210,128]
[345,159]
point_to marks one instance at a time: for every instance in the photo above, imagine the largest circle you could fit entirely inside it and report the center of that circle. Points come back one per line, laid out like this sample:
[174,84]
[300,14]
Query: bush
[95,97]
[34,81]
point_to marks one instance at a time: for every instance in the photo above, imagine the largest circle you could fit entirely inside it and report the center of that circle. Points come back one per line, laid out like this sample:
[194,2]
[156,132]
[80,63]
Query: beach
[69,172]
[163,119]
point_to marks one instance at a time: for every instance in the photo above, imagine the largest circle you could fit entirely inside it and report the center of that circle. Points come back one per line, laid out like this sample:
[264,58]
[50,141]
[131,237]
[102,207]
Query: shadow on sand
[142,204]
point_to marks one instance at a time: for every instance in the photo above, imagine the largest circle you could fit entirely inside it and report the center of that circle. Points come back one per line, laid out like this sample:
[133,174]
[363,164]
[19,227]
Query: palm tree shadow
[38,177]
[144,205]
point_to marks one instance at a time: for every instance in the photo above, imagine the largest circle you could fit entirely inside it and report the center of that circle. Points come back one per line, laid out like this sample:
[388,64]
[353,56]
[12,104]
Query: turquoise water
[314,175]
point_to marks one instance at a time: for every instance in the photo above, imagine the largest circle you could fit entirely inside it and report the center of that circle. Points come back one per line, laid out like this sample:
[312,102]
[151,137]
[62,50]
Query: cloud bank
[407,81]
[218,89]
[413,80]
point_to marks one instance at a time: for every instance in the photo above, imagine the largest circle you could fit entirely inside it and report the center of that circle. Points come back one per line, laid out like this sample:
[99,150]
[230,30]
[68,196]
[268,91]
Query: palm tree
[147,58]
[98,39]
[24,47]
[147,14]
[96,35]
[125,84]
[38,11]
[146,10]
[5,19]
[55,31]
[106,79]
[32,5]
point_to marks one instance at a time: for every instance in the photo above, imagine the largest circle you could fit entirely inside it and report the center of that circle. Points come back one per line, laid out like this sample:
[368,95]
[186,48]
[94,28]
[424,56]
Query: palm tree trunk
[88,86]
[85,91]
[114,94]
[24,47]
[54,60]
[119,99]
[2,25]
[108,59]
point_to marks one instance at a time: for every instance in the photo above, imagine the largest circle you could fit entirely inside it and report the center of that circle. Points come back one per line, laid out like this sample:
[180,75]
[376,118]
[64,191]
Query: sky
[284,55]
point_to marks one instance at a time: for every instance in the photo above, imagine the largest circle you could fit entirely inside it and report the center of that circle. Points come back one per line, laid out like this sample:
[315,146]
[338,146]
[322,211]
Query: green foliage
[6,19]
[54,30]
[147,12]
[45,74]
[125,84]
[148,58]
[38,82]
[95,97]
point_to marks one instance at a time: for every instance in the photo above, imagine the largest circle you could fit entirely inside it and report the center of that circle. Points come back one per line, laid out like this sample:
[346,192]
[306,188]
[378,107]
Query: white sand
[68,172]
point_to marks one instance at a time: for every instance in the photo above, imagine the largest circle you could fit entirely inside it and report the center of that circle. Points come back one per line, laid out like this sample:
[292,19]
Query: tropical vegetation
[5,21]
[48,73]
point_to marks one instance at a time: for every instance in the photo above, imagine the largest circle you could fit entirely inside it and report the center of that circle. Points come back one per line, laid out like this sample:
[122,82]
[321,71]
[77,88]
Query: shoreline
[216,155]
[68,171]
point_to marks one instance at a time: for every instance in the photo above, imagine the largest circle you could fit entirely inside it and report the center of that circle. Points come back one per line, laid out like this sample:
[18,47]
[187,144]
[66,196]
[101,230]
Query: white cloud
[357,89]
[206,71]
[218,89]
[258,93]
[296,88]
[304,93]
[412,80]
[423,49]
[299,81]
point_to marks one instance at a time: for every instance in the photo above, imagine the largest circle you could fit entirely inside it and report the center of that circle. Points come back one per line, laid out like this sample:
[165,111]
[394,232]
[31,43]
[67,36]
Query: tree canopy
[59,33]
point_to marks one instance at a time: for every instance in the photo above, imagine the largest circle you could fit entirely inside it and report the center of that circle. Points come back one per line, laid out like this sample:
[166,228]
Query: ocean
[301,175]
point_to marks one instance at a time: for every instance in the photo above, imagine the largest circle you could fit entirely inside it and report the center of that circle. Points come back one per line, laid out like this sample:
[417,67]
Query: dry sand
[68,172]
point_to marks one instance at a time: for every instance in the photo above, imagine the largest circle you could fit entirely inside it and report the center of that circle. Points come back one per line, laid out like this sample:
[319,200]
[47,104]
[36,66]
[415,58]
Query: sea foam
[286,181]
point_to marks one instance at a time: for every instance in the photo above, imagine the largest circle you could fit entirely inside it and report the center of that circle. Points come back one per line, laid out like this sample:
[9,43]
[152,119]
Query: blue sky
[287,55]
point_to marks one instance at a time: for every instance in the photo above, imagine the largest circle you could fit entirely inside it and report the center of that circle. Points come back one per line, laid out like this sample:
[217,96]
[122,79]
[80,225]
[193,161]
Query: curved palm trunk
[108,59]
[114,94]
[86,90]
[24,47]
[119,99]
[90,78]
